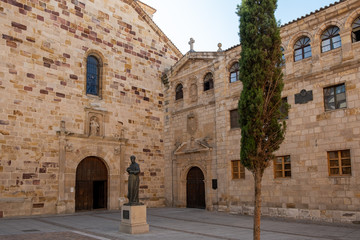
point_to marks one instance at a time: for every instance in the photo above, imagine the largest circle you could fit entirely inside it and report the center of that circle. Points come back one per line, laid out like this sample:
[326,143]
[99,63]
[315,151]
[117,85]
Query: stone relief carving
[94,126]
[191,123]
[120,131]
[117,150]
[95,122]
[69,147]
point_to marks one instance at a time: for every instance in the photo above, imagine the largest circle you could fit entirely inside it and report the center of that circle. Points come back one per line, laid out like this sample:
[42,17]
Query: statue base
[133,219]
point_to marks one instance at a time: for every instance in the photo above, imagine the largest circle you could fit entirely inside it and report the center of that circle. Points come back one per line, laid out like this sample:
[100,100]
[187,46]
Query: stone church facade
[86,84]
[316,174]
[81,91]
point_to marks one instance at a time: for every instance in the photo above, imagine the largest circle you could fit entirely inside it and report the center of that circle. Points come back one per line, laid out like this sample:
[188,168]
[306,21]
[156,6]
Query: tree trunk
[257,210]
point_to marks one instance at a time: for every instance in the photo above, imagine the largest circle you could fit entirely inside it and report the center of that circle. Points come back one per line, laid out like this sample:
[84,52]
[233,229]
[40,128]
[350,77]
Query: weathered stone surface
[44,46]
[310,193]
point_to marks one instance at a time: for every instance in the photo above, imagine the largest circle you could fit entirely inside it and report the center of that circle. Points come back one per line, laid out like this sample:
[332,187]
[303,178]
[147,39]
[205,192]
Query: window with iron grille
[234,72]
[282,167]
[356,30]
[237,170]
[339,163]
[335,97]
[283,108]
[208,82]
[330,39]
[92,75]
[234,119]
[302,49]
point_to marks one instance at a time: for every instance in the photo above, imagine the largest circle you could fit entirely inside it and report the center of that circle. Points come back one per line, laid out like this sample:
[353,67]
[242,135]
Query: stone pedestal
[133,219]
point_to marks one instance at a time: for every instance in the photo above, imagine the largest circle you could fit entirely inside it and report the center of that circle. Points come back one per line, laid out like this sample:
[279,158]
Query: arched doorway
[91,184]
[195,188]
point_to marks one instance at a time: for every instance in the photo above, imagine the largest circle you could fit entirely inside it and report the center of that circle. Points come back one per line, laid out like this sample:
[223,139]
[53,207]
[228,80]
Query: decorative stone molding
[94,121]
[193,146]
[192,123]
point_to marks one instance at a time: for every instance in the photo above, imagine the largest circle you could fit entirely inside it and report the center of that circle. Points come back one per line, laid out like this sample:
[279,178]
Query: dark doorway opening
[91,185]
[195,189]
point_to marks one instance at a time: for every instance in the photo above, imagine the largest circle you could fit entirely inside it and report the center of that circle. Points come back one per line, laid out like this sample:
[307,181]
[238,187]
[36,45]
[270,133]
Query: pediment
[193,146]
[190,57]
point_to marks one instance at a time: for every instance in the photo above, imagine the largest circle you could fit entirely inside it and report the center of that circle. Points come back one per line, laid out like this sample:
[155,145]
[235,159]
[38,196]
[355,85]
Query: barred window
[330,39]
[282,167]
[339,163]
[283,108]
[208,82]
[234,119]
[179,92]
[356,30]
[237,169]
[335,97]
[234,72]
[302,49]
[92,75]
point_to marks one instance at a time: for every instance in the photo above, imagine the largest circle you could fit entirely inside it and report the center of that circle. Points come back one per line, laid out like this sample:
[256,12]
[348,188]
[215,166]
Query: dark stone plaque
[303,97]
[126,214]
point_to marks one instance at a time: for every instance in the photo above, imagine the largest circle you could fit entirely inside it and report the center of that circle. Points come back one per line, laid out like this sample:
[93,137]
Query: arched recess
[195,188]
[95,70]
[91,188]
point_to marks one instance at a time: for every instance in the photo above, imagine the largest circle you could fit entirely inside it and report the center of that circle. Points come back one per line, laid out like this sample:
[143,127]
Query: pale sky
[211,22]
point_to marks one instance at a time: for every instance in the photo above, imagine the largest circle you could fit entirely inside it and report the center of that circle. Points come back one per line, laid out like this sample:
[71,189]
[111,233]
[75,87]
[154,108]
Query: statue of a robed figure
[133,182]
[133,213]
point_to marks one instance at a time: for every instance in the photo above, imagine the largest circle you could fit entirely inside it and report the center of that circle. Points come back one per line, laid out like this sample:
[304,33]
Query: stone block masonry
[44,46]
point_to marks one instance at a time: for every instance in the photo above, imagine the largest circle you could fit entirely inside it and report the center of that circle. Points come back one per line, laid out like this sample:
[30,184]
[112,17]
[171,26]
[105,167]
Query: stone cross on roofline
[191,43]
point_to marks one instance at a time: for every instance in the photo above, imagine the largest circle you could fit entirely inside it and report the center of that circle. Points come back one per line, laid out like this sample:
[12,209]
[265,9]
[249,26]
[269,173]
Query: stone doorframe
[73,148]
[180,187]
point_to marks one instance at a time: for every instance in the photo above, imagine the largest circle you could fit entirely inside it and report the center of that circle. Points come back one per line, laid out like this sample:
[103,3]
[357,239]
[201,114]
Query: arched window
[302,49]
[330,39]
[282,57]
[179,92]
[356,30]
[208,82]
[92,76]
[234,72]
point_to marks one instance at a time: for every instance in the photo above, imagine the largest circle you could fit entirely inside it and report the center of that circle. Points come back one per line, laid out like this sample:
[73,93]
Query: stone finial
[219,46]
[191,43]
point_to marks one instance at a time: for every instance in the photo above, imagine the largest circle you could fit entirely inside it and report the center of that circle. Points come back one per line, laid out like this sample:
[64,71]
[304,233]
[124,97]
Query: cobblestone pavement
[169,224]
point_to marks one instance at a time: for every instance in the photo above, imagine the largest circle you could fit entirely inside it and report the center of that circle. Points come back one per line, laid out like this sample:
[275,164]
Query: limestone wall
[310,193]
[44,46]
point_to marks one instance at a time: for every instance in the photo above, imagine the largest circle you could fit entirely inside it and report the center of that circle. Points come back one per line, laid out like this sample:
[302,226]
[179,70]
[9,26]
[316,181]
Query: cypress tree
[260,101]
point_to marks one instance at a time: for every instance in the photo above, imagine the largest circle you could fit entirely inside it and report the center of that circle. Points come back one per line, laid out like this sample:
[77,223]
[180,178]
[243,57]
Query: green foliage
[260,101]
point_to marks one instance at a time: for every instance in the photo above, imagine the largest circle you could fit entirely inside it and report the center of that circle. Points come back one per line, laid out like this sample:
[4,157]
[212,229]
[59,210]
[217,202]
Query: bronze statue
[133,182]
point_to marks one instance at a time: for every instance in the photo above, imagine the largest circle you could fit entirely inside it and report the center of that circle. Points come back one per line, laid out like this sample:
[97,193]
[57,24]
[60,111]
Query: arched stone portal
[91,184]
[195,188]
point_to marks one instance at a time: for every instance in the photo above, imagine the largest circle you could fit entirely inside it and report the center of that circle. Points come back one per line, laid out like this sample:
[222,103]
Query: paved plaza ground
[169,224]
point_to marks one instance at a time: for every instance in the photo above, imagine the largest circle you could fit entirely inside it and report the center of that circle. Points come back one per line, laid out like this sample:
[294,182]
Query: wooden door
[91,184]
[195,189]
